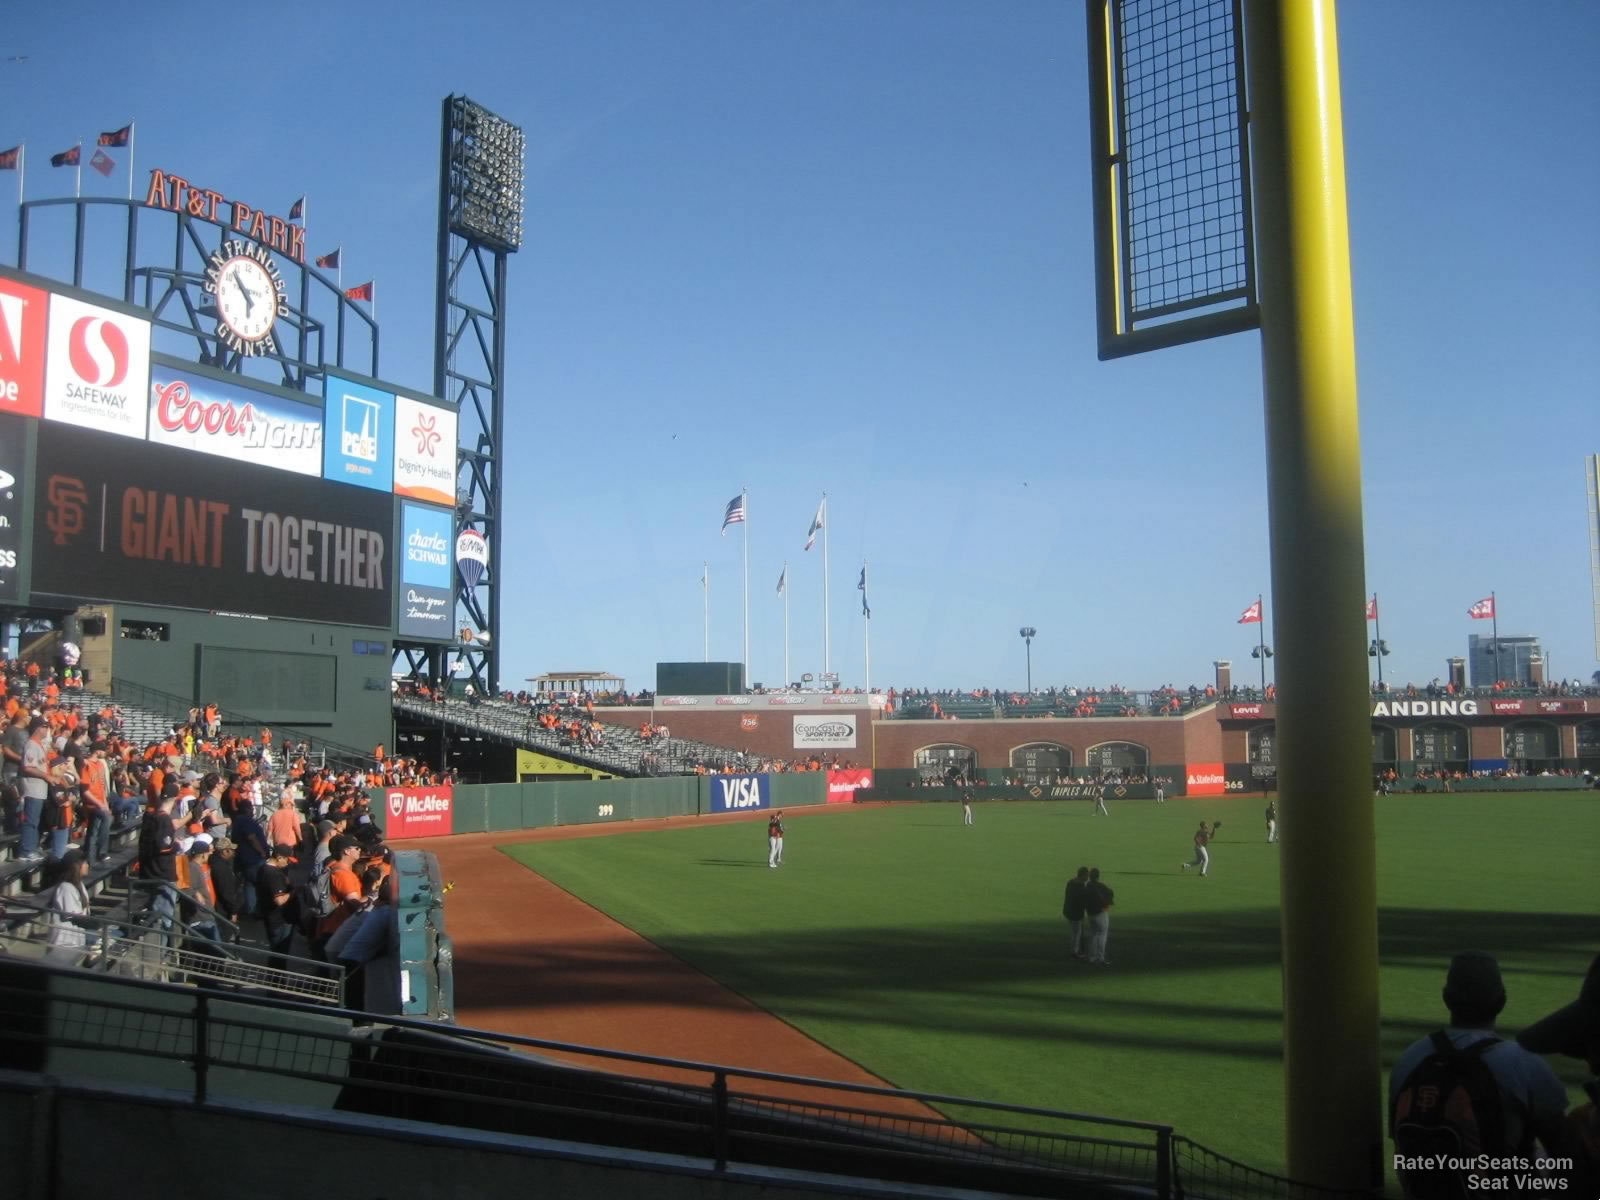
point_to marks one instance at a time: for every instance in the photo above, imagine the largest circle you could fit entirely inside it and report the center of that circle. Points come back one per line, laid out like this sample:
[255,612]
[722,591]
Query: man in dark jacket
[1072,908]
[225,878]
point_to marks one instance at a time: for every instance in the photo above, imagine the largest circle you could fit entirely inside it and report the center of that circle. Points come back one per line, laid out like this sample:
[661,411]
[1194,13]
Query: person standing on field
[1072,908]
[1161,794]
[775,839]
[1097,899]
[1272,820]
[966,808]
[1100,803]
[1202,856]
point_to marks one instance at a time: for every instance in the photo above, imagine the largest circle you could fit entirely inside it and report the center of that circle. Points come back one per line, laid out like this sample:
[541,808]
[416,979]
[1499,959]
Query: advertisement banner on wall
[424,451]
[12,430]
[196,412]
[97,368]
[157,525]
[24,312]
[1204,779]
[425,600]
[825,731]
[740,793]
[358,434]
[416,812]
[842,785]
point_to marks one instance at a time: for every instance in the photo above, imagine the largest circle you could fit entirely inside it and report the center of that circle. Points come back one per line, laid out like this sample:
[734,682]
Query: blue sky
[815,245]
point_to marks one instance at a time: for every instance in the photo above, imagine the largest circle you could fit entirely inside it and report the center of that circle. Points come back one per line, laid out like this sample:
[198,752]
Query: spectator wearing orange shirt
[348,896]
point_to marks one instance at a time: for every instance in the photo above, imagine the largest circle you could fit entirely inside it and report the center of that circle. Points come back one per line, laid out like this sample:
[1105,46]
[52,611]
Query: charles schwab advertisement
[425,571]
[159,525]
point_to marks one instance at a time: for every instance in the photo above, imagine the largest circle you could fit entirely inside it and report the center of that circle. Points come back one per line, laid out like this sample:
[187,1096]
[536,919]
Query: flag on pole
[67,158]
[734,513]
[329,262]
[103,162]
[1251,615]
[1372,608]
[117,137]
[297,210]
[362,291]
[783,578]
[816,524]
[862,587]
[10,158]
[1483,610]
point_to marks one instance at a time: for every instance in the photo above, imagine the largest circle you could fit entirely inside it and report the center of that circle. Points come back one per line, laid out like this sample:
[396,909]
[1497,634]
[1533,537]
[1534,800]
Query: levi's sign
[740,793]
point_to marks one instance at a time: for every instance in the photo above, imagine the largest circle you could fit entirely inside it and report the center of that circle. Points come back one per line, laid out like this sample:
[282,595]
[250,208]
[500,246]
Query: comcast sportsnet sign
[413,812]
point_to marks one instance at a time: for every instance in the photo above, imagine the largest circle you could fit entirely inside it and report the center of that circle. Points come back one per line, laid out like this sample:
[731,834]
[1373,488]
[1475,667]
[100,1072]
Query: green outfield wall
[507,807]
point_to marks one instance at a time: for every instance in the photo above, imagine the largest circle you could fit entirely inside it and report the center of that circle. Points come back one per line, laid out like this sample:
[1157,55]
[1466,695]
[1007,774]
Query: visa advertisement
[358,434]
[97,368]
[24,312]
[426,537]
[196,412]
[740,793]
[424,451]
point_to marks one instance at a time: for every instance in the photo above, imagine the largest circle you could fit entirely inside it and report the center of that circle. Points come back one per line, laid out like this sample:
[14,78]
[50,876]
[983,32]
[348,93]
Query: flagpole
[827,520]
[131,135]
[1261,642]
[786,622]
[866,623]
[744,526]
[1494,619]
[705,596]
[1377,637]
[77,187]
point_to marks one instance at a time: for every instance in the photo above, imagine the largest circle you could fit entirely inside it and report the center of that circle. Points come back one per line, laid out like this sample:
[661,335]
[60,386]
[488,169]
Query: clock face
[247,298]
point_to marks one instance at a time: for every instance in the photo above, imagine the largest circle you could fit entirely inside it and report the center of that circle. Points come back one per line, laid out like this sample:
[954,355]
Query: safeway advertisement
[418,812]
[842,785]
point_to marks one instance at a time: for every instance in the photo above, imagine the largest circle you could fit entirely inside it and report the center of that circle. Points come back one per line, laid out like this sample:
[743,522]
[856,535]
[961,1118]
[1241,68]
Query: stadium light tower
[1028,633]
[480,224]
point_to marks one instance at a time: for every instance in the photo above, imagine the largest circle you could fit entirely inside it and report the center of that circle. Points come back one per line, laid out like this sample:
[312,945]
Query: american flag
[734,513]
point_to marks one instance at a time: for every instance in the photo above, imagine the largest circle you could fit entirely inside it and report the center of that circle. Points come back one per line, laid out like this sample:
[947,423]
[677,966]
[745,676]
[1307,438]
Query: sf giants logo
[67,500]
[98,351]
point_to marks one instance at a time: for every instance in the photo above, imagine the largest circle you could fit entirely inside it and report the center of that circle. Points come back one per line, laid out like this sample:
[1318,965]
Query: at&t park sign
[174,193]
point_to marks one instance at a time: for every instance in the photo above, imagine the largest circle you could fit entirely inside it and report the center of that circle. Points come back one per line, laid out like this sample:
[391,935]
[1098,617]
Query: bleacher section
[623,750]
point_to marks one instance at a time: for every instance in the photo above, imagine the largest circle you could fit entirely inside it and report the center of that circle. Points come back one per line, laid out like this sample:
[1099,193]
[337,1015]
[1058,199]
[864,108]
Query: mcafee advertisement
[415,812]
[115,520]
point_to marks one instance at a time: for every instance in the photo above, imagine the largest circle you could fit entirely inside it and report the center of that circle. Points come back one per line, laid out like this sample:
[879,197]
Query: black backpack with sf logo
[1449,1107]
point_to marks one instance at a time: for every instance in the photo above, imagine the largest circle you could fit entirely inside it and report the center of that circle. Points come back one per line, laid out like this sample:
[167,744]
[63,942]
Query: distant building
[1516,658]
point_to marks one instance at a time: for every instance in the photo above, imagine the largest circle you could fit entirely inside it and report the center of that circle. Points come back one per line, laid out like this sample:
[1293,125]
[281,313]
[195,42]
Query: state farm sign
[1204,779]
[418,812]
[193,411]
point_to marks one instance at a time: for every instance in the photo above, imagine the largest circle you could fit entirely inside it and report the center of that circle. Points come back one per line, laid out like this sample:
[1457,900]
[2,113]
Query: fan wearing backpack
[1462,1092]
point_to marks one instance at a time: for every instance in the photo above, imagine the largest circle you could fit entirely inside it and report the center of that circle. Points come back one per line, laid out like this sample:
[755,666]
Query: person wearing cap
[275,900]
[251,839]
[326,830]
[94,776]
[199,901]
[69,910]
[1534,1101]
[348,896]
[225,880]
[1574,1032]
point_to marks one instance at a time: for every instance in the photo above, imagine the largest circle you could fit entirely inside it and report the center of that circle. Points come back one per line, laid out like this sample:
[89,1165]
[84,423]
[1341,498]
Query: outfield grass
[934,955]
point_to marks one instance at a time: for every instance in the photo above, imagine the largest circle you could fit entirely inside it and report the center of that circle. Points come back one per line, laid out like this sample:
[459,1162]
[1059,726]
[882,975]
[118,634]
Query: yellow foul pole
[1334,1130]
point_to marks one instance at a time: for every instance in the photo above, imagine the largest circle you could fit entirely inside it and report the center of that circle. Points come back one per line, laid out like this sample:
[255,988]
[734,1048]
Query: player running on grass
[1202,856]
